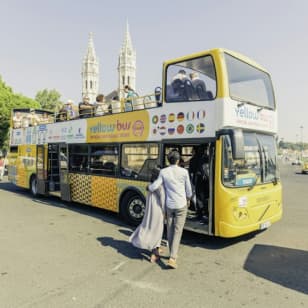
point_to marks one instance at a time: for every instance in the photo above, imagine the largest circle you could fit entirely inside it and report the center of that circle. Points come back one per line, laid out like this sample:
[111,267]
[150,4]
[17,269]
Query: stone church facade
[126,69]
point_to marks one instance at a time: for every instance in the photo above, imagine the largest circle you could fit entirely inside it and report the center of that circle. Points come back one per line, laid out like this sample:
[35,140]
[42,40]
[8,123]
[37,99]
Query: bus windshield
[259,165]
[249,84]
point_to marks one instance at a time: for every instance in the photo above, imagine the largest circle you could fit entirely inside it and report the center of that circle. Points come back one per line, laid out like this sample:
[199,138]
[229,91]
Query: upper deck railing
[23,118]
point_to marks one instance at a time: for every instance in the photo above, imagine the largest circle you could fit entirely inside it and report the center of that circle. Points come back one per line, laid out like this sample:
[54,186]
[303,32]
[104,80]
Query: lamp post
[302,145]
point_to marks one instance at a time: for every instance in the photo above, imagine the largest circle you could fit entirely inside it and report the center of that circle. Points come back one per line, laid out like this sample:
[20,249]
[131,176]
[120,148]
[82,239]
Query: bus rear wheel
[132,208]
[33,185]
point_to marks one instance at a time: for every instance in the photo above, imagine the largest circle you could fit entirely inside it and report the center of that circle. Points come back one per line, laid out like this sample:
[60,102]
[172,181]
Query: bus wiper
[242,101]
[253,184]
[275,180]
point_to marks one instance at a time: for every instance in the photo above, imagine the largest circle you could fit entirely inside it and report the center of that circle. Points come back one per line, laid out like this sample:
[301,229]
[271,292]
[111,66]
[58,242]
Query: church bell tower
[126,65]
[90,72]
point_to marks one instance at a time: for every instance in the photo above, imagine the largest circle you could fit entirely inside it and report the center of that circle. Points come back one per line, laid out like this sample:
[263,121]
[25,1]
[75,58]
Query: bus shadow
[214,243]
[285,266]
[194,239]
[189,238]
[103,215]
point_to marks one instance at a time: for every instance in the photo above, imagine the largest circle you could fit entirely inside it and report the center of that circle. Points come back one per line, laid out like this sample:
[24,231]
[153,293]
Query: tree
[49,99]
[8,101]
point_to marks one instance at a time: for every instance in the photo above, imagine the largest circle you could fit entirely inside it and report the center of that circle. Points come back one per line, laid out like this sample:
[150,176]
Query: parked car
[296,162]
[305,166]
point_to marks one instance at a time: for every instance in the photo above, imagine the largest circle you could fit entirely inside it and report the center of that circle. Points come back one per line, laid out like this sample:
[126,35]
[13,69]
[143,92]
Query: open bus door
[199,218]
[41,170]
[63,170]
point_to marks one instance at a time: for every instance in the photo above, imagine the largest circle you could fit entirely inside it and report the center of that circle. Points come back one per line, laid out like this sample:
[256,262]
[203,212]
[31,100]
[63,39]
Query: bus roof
[217,51]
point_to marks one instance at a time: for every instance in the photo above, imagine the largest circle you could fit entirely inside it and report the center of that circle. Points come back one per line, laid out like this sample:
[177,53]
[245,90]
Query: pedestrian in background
[2,167]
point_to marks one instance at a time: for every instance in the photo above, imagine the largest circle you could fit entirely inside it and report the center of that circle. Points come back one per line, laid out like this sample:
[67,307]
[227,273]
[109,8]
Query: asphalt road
[58,255]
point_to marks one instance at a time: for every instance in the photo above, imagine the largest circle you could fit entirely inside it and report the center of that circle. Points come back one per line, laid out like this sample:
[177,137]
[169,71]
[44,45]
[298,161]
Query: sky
[43,43]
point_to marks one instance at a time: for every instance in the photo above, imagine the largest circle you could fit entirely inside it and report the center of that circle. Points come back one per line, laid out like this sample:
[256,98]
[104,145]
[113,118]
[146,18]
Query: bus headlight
[240,213]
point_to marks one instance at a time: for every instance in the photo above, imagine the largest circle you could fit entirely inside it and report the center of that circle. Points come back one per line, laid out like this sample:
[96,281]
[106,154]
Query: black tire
[33,185]
[132,208]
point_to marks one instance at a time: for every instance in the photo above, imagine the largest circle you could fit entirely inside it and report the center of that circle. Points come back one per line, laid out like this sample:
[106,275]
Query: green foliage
[8,101]
[295,146]
[49,99]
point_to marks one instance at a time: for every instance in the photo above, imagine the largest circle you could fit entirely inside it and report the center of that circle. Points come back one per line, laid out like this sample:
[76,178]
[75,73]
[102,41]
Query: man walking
[178,192]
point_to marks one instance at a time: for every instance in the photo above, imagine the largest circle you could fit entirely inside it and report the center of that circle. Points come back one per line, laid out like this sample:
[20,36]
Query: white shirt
[177,186]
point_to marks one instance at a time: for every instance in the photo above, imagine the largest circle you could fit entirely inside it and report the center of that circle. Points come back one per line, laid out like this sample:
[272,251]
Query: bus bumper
[228,230]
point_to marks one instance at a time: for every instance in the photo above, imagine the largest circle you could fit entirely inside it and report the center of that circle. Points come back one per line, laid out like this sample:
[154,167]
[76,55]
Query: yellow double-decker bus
[217,100]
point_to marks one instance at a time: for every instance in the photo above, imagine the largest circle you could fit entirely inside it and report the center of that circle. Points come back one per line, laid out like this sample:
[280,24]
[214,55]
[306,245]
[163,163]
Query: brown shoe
[172,263]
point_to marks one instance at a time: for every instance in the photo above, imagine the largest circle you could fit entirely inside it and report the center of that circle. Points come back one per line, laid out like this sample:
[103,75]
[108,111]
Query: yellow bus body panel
[242,210]
[102,192]
[25,165]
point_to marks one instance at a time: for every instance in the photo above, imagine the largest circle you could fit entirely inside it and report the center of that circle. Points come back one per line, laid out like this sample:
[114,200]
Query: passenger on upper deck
[17,120]
[45,119]
[62,114]
[130,93]
[115,105]
[86,109]
[178,83]
[70,112]
[101,106]
[34,119]
[198,84]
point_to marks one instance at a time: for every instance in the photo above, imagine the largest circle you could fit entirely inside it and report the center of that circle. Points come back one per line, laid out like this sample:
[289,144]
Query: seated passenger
[17,120]
[62,114]
[70,112]
[34,119]
[115,105]
[25,121]
[198,84]
[45,119]
[101,106]
[86,109]
[178,83]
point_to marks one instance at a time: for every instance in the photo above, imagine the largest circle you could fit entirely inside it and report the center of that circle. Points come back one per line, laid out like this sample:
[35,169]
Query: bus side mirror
[237,141]
[157,96]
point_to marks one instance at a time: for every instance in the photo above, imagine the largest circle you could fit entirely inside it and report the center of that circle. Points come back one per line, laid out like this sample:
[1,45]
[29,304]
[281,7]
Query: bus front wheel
[132,208]
[33,185]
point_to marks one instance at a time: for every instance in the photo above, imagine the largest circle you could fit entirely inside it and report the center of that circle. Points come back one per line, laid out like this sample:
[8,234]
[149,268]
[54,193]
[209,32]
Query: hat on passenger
[69,101]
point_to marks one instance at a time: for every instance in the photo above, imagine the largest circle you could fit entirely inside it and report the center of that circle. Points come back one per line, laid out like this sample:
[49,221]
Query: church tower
[126,65]
[90,72]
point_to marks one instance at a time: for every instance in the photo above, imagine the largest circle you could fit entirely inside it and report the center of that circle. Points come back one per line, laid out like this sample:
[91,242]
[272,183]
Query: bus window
[78,158]
[268,148]
[191,80]
[259,165]
[242,172]
[185,153]
[138,160]
[249,84]
[103,159]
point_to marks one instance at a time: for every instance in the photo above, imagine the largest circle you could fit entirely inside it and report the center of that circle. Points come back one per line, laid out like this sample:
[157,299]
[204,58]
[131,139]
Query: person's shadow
[128,250]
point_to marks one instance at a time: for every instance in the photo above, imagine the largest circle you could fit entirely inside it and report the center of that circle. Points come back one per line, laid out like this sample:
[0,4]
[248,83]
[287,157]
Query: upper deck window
[249,84]
[191,80]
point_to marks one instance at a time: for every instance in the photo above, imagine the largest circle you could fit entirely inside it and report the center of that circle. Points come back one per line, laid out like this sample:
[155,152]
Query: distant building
[126,70]
[90,72]
[126,65]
